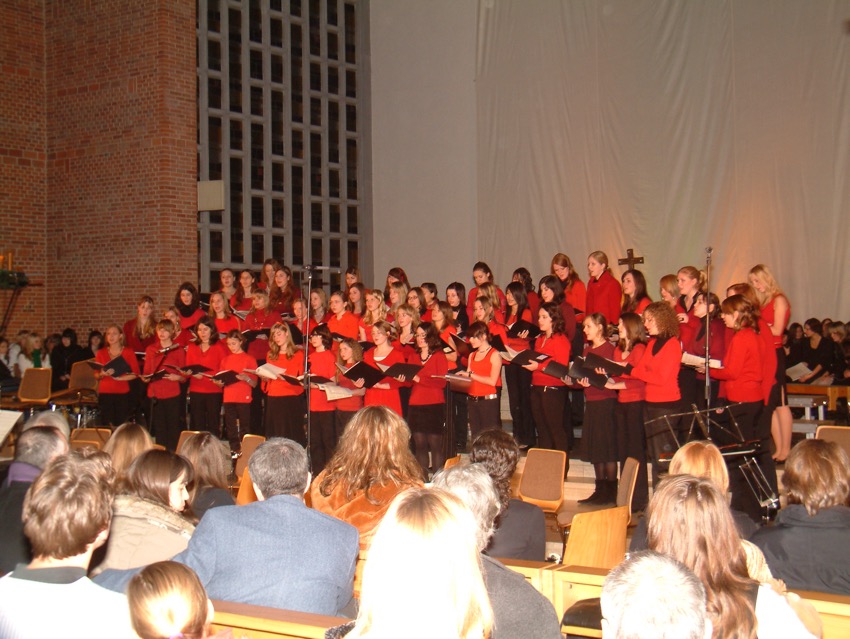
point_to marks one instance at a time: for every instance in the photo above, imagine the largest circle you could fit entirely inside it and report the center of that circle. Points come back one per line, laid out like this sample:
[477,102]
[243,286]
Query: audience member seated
[8,382]
[818,352]
[32,355]
[210,457]
[700,459]
[49,419]
[653,596]
[147,525]
[66,516]
[33,450]
[371,465]
[519,611]
[520,526]
[167,600]
[423,576]
[690,521]
[127,442]
[66,353]
[273,552]
[807,546]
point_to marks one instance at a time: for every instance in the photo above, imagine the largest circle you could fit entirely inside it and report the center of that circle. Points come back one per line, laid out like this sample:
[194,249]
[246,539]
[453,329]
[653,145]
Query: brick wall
[23,177]
[111,142]
[121,126]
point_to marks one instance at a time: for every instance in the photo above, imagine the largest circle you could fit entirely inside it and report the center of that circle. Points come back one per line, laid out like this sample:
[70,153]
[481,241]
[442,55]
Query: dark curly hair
[498,452]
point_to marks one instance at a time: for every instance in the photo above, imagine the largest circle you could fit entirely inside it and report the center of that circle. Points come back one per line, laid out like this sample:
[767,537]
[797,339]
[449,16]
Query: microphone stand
[307,374]
[707,390]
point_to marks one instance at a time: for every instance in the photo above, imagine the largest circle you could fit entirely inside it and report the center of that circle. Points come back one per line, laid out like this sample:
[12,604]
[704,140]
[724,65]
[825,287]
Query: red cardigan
[659,368]
[604,296]
[742,368]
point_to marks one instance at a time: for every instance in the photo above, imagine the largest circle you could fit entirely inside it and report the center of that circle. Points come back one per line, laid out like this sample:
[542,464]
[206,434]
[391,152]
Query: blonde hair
[402,290]
[771,285]
[690,521]
[701,459]
[127,442]
[435,533]
[381,312]
[374,450]
[668,283]
[489,290]
[167,600]
[288,348]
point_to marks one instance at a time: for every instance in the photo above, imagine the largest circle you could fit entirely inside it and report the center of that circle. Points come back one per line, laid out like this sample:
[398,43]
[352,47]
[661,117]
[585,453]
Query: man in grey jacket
[274,552]
[519,611]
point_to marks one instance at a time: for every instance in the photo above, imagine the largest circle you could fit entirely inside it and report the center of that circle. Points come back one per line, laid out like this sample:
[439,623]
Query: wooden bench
[834,611]
[260,622]
[832,393]
[537,573]
[809,427]
[574,583]
[807,403]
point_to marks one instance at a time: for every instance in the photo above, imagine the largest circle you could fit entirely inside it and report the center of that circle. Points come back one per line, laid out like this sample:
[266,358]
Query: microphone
[162,351]
[708,250]
[312,267]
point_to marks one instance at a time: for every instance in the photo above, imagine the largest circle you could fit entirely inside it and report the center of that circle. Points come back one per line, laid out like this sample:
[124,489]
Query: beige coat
[143,532]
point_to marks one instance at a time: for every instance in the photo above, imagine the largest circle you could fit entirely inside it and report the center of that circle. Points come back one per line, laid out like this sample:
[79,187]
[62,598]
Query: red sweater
[577,298]
[113,386]
[604,296]
[293,366]
[659,368]
[211,358]
[379,396]
[742,368]
[591,393]
[559,348]
[635,390]
[240,392]
[347,326]
[348,404]
[258,348]
[429,389]
[154,361]
[323,364]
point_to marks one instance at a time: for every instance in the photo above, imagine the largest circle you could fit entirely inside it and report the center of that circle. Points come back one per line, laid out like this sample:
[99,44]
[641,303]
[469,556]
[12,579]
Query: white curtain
[668,126]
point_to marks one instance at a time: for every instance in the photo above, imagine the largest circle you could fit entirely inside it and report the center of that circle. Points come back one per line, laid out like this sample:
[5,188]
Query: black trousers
[205,412]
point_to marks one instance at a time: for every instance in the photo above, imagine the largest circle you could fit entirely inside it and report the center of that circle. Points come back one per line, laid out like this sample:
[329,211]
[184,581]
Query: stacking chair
[81,393]
[542,482]
[34,391]
[452,461]
[249,445]
[625,492]
[186,435]
[96,437]
[838,434]
[246,494]
[597,539]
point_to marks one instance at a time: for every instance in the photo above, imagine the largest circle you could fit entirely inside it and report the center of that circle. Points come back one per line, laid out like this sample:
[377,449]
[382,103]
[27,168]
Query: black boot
[610,495]
[598,492]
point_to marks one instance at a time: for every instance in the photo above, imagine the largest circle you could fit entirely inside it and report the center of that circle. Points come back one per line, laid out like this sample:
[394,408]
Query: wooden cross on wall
[630,259]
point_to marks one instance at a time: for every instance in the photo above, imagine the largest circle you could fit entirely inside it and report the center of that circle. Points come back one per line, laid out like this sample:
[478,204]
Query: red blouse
[429,389]
[109,385]
[211,358]
[558,346]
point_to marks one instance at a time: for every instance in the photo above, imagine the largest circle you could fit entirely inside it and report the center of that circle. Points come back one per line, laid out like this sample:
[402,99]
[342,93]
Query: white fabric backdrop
[668,126]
